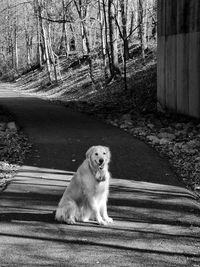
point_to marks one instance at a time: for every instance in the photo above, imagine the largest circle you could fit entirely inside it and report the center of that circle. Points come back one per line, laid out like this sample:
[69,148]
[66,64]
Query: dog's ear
[108,153]
[89,152]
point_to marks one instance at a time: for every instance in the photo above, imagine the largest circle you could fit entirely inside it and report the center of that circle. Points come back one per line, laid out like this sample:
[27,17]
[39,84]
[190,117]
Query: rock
[123,126]
[197,166]
[178,145]
[137,130]
[189,150]
[167,136]
[153,139]
[141,124]
[163,130]
[164,141]
[197,159]
[11,126]
[129,123]
[189,124]
[150,125]
[182,132]
[2,126]
[193,143]
[126,117]
[170,129]
[190,135]
[178,126]
[114,123]
[142,133]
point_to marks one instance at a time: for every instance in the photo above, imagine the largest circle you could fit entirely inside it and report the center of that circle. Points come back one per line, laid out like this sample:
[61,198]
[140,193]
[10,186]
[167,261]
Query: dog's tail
[67,213]
[59,214]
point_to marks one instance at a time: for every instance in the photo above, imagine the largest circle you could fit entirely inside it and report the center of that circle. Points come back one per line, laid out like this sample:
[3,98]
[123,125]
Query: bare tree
[112,13]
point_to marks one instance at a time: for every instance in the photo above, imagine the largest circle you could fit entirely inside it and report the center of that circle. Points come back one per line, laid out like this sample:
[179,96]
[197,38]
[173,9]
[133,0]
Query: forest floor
[135,110]
[13,147]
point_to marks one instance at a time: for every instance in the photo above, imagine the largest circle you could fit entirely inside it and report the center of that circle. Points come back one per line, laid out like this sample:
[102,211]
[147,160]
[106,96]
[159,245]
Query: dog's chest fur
[102,182]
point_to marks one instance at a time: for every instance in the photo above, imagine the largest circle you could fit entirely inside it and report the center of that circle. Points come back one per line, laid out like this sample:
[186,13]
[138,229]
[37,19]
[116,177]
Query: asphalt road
[61,136]
[156,223]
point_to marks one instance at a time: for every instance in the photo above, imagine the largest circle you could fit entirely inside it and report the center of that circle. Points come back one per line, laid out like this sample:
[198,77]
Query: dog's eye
[104,153]
[96,154]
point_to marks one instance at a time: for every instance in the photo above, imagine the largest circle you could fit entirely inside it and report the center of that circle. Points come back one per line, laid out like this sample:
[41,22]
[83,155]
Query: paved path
[156,221]
[61,137]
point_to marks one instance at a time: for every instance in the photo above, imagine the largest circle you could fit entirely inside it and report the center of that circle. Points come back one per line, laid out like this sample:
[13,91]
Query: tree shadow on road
[143,213]
[35,192]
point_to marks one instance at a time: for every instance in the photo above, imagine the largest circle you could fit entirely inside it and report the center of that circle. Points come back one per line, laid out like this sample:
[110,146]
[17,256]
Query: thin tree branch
[9,7]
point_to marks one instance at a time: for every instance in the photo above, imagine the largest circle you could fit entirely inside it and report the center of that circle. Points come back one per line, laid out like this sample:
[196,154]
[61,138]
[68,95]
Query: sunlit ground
[147,217]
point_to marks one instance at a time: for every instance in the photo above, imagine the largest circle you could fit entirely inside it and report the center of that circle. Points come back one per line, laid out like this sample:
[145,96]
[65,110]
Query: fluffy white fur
[86,196]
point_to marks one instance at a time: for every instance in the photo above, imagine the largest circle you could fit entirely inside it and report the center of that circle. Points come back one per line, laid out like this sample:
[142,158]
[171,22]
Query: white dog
[86,196]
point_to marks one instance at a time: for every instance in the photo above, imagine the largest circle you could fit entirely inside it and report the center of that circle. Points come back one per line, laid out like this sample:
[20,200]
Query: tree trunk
[82,17]
[64,44]
[16,49]
[103,39]
[124,9]
[40,56]
[44,36]
[113,39]
[142,13]
[106,38]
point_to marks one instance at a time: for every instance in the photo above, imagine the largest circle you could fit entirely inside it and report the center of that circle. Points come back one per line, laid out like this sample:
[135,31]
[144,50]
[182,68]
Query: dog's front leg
[96,210]
[105,213]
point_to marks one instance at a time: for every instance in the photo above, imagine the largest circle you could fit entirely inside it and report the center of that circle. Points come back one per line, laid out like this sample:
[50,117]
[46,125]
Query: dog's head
[99,156]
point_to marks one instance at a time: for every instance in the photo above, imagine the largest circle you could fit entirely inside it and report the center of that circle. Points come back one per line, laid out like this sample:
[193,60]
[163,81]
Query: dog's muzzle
[100,164]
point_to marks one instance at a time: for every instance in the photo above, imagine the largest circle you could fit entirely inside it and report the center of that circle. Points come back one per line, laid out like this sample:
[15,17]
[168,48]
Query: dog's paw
[101,221]
[85,220]
[109,220]
[70,221]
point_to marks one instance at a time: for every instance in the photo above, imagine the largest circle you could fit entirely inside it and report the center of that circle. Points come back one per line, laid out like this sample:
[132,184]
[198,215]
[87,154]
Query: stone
[142,133]
[114,123]
[137,130]
[11,126]
[182,132]
[123,126]
[2,126]
[197,159]
[164,141]
[193,143]
[163,130]
[153,139]
[141,124]
[178,145]
[167,136]
[126,117]
[197,166]
[179,126]
[150,125]
[129,123]
[189,150]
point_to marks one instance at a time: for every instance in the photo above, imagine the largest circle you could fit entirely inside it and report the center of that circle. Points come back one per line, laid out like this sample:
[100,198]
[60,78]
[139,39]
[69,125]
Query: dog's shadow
[37,217]
[28,216]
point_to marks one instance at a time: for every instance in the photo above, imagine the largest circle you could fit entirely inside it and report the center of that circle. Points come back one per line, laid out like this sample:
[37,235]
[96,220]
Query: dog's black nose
[101,161]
